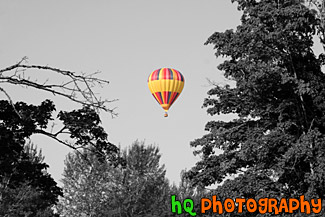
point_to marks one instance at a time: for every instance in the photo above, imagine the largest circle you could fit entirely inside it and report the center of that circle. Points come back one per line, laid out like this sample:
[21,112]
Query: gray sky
[126,40]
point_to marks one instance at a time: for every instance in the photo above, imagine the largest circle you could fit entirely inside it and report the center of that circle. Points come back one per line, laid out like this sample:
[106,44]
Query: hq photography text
[263,205]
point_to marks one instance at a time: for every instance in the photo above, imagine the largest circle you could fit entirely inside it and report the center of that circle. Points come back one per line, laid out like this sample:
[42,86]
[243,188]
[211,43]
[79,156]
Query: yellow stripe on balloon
[166,85]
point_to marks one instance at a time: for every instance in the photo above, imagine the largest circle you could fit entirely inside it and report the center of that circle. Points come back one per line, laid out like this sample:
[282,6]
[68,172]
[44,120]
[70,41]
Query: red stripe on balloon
[153,77]
[175,96]
[167,74]
[172,98]
[178,77]
[165,97]
[158,96]
[164,73]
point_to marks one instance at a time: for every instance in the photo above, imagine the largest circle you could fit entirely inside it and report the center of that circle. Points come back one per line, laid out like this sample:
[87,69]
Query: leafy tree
[145,184]
[276,145]
[26,189]
[90,186]
[25,186]
[139,188]
[19,171]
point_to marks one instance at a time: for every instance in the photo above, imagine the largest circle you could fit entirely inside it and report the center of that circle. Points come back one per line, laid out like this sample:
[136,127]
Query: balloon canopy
[166,84]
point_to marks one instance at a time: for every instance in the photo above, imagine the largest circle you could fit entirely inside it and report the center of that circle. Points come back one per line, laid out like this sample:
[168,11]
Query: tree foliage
[89,188]
[139,188]
[319,7]
[276,145]
[144,180]
[18,122]
[26,188]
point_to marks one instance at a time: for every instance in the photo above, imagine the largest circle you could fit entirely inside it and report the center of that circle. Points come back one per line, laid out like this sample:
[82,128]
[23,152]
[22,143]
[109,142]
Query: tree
[146,189]
[89,188]
[24,181]
[139,188]
[26,188]
[275,146]
[17,171]
[75,87]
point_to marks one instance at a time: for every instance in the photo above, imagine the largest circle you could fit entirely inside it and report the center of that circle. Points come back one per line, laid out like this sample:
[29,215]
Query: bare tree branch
[77,88]
[55,137]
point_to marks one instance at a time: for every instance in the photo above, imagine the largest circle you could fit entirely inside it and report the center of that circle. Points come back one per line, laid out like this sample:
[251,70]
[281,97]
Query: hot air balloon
[166,84]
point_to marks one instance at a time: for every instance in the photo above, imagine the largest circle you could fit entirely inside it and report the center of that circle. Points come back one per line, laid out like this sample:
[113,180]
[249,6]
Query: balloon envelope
[166,84]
